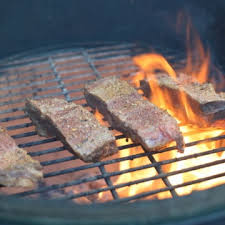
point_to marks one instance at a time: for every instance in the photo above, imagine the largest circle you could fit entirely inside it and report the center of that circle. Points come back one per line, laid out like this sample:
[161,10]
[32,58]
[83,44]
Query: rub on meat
[75,126]
[130,113]
[203,99]
[17,168]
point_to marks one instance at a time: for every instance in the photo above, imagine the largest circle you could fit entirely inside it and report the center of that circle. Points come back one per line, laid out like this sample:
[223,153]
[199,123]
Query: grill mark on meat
[17,168]
[75,126]
[129,113]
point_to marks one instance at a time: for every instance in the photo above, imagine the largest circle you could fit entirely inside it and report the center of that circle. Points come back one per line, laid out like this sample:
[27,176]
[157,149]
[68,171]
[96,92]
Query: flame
[148,64]
[152,62]
[137,175]
[197,68]
[198,59]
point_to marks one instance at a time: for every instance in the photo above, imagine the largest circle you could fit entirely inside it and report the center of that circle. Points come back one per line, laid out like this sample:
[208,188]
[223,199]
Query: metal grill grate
[62,73]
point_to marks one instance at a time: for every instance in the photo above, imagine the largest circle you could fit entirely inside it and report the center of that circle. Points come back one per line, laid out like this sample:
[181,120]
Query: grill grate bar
[154,164]
[110,49]
[26,78]
[160,176]
[121,147]
[143,195]
[42,67]
[115,160]
[118,136]
[12,101]
[125,158]
[26,60]
[43,152]
[27,134]
[59,186]
[76,98]
[64,73]
[22,108]
[132,145]
[24,125]
[41,89]
[11,110]
[41,72]
[122,62]
[56,94]
[91,64]
[35,83]
[77,82]
[159,171]
[18,65]
[59,80]
[112,56]
[108,182]
[35,97]
[65,51]
[34,90]
[86,74]
[7,119]
[54,161]
[29,144]
[75,169]
[94,178]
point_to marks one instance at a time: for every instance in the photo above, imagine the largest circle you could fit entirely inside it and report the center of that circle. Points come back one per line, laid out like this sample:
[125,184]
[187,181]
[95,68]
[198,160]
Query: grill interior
[62,72]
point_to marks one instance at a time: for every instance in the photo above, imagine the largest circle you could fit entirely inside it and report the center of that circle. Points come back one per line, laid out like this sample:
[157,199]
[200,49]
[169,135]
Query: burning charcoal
[75,126]
[81,200]
[17,168]
[131,114]
[59,193]
[202,98]
[86,187]
[54,194]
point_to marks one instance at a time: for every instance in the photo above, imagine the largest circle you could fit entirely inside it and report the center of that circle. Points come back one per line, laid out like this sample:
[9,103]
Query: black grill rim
[198,208]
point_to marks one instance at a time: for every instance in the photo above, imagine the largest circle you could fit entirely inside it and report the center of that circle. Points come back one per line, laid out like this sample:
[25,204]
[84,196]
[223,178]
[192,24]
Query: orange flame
[197,69]
[198,60]
[152,62]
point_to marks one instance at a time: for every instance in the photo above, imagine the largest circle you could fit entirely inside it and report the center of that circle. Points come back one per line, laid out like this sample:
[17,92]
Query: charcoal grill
[62,71]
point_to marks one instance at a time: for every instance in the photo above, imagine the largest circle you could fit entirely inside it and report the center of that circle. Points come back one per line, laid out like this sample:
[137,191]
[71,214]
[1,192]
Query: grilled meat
[203,99]
[131,114]
[17,168]
[75,126]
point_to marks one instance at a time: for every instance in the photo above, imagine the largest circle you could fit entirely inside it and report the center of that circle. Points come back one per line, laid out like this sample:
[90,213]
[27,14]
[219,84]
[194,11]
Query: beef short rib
[202,98]
[75,126]
[130,113]
[17,168]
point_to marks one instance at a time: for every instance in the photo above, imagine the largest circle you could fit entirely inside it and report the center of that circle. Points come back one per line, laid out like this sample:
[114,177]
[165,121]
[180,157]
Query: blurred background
[28,24]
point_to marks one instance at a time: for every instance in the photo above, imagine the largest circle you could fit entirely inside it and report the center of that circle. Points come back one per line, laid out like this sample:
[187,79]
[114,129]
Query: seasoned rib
[131,114]
[75,126]
[17,168]
[203,99]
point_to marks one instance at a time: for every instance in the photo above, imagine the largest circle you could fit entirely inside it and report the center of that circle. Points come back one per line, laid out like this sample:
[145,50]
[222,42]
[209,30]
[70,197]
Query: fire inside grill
[132,174]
